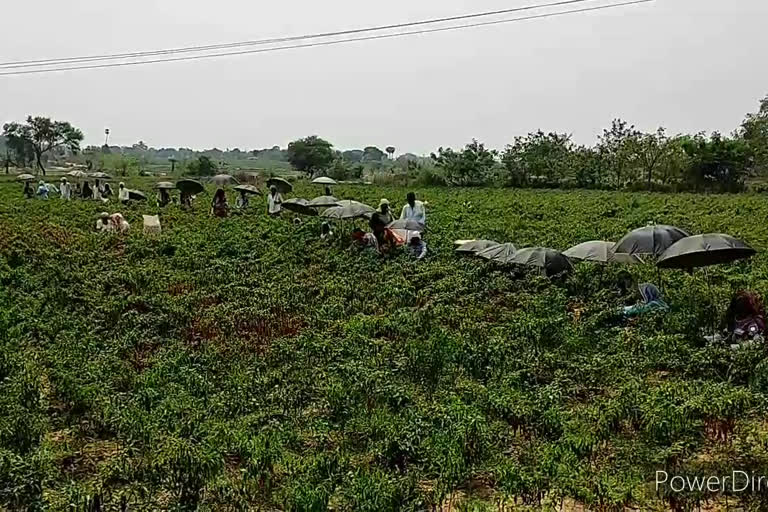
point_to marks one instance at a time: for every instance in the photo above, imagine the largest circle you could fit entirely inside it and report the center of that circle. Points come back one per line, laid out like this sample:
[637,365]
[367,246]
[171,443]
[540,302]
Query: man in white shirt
[122,194]
[65,189]
[414,210]
[274,200]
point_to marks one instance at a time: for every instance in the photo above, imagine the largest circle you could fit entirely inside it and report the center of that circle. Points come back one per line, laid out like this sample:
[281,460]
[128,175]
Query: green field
[241,363]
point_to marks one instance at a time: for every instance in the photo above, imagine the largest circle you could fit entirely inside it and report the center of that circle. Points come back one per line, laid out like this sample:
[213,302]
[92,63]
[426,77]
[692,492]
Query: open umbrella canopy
[222,180]
[101,176]
[136,195]
[650,240]
[165,184]
[282,185]
[501,253]
[190,186]
[248,189]
[549,260]
[77,174]
[348,210]
[323,180]
[705,250]
[408,224]
[26,177]
[300,206]
[324,202]
[474,246]
[600,252]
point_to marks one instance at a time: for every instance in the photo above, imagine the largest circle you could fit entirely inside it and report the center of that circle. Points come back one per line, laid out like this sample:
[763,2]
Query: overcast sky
[687,65]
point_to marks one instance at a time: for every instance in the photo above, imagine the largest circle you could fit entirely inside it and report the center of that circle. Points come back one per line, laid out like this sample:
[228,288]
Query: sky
[686,65]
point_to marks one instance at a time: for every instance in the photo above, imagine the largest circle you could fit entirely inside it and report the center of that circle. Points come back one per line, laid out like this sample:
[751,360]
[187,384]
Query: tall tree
[44,135]
[470,167]
[754,131]
[310,155]
[617,149]
[538,154]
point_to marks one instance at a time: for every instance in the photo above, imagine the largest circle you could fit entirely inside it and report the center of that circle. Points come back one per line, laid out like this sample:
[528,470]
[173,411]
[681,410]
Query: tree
[373,154]
[203,166]
[617,149]
[391,152]
[650,150]
[538,154]
[470,167]
[310,155]
[718,162]
[44,136]
[353,156]
[754,131]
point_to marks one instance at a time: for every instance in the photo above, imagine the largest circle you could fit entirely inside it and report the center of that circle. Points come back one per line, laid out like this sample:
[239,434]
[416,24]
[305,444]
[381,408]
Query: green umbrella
[191,187]
[282,185]
[705,250]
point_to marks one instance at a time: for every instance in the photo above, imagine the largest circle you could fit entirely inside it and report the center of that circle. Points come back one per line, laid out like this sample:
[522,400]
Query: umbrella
[650,240]
[77,174]
[600,252]
[549,260]
[26,177]
[136,195]
[222,180]
[300,206]
[348,210]
[324,181]
[324,202]
[502,253]
[248,189]
[190,186]
[101,176]
[408,224]
[474,246]
[705,250]
[165,184]
[282,186]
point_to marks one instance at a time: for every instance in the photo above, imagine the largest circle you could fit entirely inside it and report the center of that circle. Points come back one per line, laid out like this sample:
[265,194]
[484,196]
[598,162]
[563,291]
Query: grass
[244,364]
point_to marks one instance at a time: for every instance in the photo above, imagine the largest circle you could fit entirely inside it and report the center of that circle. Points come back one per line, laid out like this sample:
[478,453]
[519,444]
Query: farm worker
[364,240]
[66,189]
[745,318]
[242,200]
[163,197]
[97,191]
[414,210]
[296,221]
[325,231]
[274,200]
[28,192]
[78,190]
[87,193]
[380,219]
[417,247]
[185,200]
[107,192]
[103,223]
[219,206]
[42,190]
[328,191]
[651,301]
[122,193]
[118,223]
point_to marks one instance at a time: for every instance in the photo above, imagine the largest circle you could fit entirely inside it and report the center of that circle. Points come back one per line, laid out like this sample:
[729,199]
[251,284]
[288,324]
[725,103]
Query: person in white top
[414,210]
[122,194]
[97,190]
[103,224]
[274,200]
[65,189]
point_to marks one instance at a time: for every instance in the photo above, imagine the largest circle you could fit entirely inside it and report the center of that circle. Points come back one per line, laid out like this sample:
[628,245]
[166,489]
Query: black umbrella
[324,181]
[324,202]
[167,185]
[474,246]
[600,252]
[282,185]
[300,206]
[191,187]
[550,261]
[705,250]
[348,210]
[248,189]
[408,224]
[136,195]
[650,240]
[501,253]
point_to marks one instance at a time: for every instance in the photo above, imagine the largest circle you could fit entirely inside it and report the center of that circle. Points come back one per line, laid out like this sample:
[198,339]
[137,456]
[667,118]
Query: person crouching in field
[65,189]
[163,198]
[274,202]
[219,206]
[242,201]
[103,224]
[118,224]
[651,301]
[417,247]
[325,231]
[745,319]
[28,192]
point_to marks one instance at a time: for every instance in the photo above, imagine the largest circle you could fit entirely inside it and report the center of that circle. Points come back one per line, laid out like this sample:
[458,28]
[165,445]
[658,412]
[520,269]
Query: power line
[169,51]
[325,43]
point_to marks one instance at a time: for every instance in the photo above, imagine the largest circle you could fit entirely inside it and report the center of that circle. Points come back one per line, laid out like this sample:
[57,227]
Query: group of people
[385,239]
[114,223]
[100,191]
